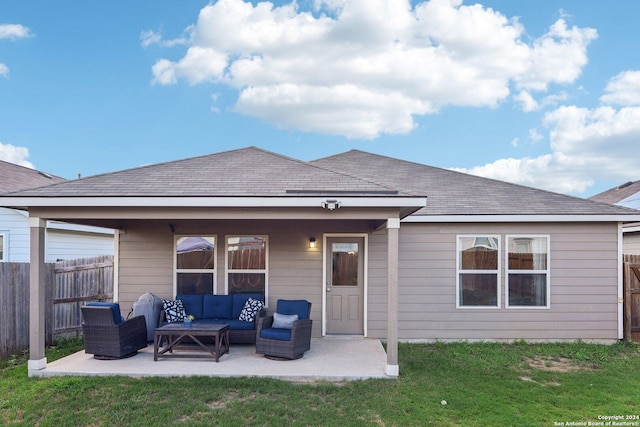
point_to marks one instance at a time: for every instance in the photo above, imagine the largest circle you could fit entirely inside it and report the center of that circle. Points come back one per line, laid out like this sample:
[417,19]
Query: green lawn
[440,384]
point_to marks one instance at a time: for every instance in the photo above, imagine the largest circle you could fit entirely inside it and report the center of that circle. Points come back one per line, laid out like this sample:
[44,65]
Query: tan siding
[145,263]
[583,285]
[295,271]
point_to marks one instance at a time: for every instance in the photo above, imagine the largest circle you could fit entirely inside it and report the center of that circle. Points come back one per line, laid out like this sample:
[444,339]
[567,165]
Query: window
[247,260]
[195,265]
[3,248]
[478,265]
[528,271]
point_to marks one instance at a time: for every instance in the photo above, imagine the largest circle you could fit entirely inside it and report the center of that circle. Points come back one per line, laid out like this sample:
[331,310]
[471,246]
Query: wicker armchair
[107,336]
[278,343]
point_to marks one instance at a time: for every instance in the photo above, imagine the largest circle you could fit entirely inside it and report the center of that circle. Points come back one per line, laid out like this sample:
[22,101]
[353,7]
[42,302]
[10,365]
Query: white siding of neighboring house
[63,241]
[632,243]
[584,285]
[14,225]
[66,244]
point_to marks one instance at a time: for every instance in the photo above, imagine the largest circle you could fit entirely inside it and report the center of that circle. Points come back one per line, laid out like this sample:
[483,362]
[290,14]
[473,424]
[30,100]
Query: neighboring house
[383,248]
[64,241]
[626,195]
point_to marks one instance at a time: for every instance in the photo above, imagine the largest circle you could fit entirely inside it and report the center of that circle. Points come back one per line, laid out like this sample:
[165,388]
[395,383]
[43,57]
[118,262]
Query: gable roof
[244,172]
[627,195]
[453,193]
[15,178]
[249,177]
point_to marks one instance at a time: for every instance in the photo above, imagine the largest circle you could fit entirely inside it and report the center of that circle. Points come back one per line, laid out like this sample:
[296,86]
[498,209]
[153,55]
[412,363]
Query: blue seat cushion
[240,325]
[238,303]
[114,306]
[276,334]
[192,304]
[234,324]
[217,307]
[294,306]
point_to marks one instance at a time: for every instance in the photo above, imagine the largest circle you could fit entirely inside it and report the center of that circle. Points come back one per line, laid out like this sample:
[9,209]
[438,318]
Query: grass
[483,384]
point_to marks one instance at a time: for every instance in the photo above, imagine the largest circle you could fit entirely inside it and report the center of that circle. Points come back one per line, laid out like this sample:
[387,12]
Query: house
[63,241]
[627,195]
[383,248]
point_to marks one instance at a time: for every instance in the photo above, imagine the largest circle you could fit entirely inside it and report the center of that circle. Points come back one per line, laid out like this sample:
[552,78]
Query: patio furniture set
[219,320]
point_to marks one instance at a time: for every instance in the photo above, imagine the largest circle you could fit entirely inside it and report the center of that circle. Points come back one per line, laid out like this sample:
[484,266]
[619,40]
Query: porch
[331,359]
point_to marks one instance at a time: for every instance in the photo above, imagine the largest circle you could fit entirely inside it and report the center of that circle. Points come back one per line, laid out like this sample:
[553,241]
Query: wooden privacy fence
[632,298]
[68,285]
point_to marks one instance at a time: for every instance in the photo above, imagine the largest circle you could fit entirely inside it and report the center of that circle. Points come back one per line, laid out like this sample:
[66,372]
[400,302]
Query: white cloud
[534,136]
[17,155]
[526,101]
[150,37]
[362,68]
[623,89]
[14,31]
[586,145]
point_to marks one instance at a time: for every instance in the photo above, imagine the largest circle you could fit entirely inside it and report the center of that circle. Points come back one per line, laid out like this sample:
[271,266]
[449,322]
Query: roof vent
[46,175]
[626,184]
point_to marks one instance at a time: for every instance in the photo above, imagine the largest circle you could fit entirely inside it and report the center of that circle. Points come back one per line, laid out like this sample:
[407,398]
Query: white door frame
[365,237]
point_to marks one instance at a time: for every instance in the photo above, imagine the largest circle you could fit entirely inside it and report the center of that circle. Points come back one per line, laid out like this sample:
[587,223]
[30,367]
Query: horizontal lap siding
[145,263]
[584,269]
[295,270]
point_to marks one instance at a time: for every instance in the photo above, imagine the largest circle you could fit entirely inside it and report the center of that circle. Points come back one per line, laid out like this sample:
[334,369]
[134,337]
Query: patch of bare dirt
[555,364]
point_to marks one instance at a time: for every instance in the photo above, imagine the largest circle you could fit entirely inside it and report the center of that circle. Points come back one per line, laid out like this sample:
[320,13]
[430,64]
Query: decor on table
[187,320]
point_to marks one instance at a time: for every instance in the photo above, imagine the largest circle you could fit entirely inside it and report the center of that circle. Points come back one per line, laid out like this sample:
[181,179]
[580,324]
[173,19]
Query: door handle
[328,289]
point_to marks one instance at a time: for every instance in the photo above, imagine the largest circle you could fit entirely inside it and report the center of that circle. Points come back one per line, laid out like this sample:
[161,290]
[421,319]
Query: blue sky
[543,93]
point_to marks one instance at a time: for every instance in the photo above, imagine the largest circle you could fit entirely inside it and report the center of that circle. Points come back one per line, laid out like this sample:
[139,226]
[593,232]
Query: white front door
[345,285]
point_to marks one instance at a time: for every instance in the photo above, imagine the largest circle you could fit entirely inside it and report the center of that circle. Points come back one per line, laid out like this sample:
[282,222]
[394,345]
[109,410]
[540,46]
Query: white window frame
[4,246]
[177,270]
[495,272]
[547,271]
[227,270]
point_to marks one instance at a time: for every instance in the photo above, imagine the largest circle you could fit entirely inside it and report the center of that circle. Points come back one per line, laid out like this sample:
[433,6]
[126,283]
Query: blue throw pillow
[283,321]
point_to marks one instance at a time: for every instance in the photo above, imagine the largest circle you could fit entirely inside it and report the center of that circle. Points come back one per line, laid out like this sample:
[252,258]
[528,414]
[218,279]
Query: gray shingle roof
[15,178]
[455,193]
[248,172]
[618,194]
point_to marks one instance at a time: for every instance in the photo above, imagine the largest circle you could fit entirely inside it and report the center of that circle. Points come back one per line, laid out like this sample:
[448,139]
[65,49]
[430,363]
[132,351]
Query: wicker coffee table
[176,333]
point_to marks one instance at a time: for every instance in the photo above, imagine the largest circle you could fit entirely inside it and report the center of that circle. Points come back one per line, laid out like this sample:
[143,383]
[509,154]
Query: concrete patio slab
[331,359]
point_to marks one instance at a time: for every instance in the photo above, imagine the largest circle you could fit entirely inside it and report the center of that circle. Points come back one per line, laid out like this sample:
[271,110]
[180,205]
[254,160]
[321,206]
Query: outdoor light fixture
[312,242]
[331,204]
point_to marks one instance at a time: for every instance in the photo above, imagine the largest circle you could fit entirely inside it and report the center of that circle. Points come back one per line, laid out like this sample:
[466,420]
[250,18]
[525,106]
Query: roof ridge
[367,180]
[395,159]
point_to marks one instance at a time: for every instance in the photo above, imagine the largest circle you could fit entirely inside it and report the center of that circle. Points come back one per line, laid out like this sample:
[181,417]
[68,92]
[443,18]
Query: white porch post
[393,229]
[37,360]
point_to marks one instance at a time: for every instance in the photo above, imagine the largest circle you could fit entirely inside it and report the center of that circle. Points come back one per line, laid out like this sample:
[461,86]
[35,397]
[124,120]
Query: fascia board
[57,225]
[519,218]
[219,202]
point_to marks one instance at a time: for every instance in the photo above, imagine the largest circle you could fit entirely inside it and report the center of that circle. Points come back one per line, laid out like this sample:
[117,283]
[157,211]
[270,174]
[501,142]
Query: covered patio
[331,359]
